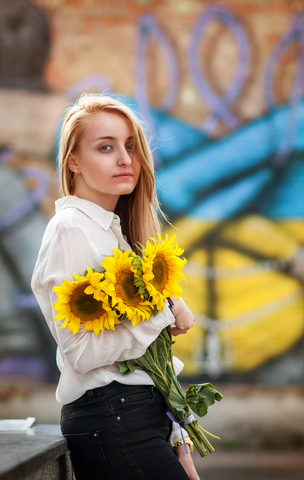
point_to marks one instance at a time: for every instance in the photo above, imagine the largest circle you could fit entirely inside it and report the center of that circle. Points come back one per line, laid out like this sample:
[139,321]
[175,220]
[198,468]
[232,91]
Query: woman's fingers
[184,318]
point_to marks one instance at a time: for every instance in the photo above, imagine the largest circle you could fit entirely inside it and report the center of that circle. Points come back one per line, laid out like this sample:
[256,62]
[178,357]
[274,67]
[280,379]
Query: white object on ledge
[21,424]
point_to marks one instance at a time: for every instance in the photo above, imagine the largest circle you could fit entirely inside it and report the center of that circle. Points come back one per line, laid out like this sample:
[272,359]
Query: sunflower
[78,307]
[162,269]
[119,285]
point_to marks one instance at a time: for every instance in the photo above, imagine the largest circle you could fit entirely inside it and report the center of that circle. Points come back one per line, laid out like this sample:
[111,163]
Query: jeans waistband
[113,387]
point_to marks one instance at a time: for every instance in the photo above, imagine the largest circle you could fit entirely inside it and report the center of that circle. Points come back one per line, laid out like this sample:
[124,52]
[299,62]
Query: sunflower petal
[89,326]
[96,327]
[64,323]
[59,316]
[74,326]
[90,290]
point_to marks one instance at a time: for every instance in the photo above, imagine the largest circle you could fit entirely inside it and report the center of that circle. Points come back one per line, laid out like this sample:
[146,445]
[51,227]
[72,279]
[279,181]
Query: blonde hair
[138,210]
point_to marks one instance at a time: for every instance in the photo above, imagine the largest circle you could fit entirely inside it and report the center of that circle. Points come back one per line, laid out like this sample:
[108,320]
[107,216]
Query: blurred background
[219,87]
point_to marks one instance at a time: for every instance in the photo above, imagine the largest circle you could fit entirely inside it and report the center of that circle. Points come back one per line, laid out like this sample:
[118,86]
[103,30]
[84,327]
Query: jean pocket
[81,412]
[133,402]
[83,437]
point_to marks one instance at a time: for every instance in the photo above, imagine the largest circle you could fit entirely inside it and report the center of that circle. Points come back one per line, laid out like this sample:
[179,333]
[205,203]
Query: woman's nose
[124,157]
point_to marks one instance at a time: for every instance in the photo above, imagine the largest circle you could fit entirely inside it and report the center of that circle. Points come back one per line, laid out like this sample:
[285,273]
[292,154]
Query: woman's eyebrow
[111,138]
[105,138]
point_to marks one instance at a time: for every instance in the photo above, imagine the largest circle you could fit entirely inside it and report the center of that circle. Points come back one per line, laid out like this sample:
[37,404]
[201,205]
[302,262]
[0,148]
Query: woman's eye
[105,148]
[130,147]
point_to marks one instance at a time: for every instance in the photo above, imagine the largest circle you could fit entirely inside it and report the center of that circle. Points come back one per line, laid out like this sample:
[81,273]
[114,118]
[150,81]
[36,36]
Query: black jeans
[120,432]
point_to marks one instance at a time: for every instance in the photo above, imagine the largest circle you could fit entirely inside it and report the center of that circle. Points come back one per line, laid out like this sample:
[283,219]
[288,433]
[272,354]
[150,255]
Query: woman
[116,426]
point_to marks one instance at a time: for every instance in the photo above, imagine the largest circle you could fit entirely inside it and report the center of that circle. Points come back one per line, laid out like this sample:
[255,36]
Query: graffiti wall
[219,87]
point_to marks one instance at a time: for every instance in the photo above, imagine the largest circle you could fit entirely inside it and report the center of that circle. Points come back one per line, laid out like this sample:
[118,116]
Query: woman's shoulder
[72,224]
[69,218]
[64,223]
[60,220]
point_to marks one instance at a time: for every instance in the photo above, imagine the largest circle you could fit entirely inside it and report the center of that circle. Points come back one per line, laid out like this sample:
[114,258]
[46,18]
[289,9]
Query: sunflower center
[126,289]
[84,306]
[160,271]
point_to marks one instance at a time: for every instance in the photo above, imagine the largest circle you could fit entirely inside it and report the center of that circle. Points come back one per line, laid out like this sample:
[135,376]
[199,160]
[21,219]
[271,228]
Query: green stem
[194,430]
[197,440]
[178,386]
[210,434]
[171,361]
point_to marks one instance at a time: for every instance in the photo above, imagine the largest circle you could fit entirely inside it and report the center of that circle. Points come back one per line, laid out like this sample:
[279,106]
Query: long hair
[139,211]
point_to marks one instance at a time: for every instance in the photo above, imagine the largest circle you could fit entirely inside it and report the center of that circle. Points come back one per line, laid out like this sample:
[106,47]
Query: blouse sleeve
[71,250]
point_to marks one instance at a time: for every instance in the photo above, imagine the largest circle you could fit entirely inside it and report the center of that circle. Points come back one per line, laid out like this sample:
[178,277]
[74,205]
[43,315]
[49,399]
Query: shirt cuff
[178,365]
[176,434]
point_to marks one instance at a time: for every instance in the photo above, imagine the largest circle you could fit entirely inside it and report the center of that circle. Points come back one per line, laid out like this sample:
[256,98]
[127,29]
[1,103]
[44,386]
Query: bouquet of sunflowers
[133,287]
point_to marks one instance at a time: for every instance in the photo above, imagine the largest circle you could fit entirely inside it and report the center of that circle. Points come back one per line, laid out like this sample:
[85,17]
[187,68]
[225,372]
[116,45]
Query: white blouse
[81,235]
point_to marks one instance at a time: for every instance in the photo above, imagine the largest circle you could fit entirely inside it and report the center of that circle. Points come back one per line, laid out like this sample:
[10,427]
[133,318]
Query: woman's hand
[187,462]
[184,318]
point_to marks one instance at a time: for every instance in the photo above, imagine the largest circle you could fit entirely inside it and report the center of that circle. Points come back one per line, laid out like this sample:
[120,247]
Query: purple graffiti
[93,81]
[19,211]
[149,27]
[6,155]
[295,34]
[220,106]
[25,301]
[34,366]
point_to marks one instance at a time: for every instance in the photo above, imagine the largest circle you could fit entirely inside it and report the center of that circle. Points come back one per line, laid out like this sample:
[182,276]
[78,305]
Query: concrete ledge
[40,452]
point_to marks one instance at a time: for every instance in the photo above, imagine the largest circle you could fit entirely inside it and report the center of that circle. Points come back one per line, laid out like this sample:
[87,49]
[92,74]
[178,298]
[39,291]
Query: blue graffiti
[225,203]
[202,173]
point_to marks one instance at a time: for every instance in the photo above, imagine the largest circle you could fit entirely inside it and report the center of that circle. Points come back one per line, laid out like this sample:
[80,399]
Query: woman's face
[106,162]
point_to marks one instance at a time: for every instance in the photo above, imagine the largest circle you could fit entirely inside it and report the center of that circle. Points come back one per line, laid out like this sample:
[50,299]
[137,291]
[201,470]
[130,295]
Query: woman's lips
[124,175]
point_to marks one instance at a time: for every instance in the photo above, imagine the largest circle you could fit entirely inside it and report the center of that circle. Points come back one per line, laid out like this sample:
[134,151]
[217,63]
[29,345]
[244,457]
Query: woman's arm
[184,318]
[84,351]
[70,249]
[187,462]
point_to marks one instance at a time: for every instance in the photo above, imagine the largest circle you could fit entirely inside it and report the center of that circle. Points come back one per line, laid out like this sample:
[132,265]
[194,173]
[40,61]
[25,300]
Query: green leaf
[128,366]
[154,311]
[119,248]
[99,270]
[200,397]
[156,362]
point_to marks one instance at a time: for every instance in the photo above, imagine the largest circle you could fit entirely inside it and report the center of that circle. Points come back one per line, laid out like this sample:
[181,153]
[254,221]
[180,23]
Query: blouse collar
[98,214]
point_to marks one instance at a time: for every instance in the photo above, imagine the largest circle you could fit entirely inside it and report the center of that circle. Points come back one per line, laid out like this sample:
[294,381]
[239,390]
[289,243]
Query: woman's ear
[72,163]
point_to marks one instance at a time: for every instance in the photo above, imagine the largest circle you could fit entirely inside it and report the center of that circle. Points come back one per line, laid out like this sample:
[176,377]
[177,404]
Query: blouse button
[122,399]
[118,418]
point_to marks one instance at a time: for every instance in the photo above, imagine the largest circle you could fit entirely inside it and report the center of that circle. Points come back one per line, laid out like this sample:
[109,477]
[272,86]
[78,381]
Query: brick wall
[99,37]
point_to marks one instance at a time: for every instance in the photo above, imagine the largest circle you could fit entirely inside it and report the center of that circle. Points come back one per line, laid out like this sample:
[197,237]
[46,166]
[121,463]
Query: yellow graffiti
[257,302]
